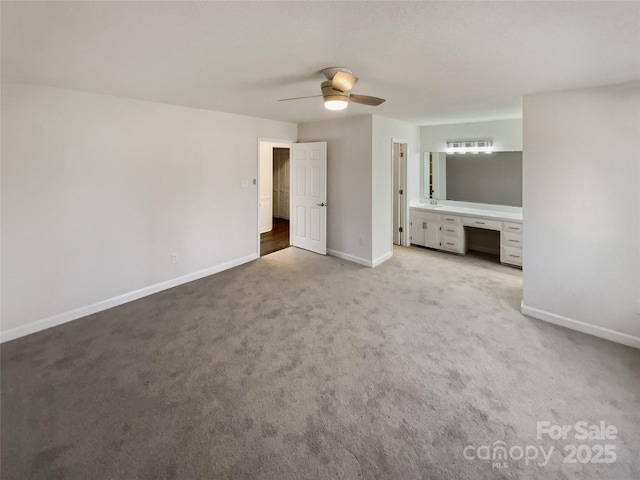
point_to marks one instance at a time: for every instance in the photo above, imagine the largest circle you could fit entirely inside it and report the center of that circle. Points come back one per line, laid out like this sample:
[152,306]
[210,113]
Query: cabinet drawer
[452,230]
[511,227]
[511,255]
[451,219]
[422,215]
[482,223]
[453,244]
[512,239]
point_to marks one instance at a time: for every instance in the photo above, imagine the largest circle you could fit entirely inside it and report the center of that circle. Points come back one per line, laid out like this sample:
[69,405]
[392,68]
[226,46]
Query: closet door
[284,186]
[276,180]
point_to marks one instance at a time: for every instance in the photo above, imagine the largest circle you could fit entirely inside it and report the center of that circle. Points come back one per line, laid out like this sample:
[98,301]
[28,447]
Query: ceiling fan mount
[336,90]
[330,72]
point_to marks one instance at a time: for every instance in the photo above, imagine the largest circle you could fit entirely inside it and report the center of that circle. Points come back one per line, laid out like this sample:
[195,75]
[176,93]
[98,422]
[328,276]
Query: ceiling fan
[336,90]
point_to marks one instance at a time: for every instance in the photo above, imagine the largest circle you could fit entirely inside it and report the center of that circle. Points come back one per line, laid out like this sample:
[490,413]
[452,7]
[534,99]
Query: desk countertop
[469,211]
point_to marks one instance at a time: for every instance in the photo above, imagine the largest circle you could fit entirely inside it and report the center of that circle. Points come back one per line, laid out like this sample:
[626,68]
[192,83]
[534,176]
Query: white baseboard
[382,259]
[607,334]
[77,313]
[351,258]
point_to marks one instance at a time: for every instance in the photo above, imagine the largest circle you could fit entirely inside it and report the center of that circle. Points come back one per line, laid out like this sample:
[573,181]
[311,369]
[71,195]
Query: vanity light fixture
[470,146]
[484,146]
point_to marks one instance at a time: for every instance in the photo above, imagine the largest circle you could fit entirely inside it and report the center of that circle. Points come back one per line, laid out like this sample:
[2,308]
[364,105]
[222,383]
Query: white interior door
[285,187]
[308,215]
[402,198]
[396,188]
[399,207]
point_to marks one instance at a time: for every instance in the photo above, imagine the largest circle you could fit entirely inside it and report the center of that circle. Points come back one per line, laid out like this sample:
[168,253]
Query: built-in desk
[442,227]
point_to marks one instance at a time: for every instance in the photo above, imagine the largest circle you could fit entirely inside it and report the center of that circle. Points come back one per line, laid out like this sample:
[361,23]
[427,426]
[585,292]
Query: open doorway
[274,196]
[278,237]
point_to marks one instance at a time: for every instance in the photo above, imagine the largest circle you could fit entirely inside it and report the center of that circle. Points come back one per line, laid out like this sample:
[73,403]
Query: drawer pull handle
[514,241]
[479,223]
[449,243]
[514,256]
[514,228]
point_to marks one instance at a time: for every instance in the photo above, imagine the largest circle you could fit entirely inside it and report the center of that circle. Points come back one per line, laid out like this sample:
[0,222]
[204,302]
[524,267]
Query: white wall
[349,173]
[98,192]
[384,130]
[506,135]
[581,201]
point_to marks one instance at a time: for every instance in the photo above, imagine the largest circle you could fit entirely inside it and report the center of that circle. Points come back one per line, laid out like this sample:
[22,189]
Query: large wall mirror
[494,178]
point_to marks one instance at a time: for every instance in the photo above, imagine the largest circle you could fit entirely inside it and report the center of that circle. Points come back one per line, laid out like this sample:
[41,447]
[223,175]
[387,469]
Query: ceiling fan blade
[343,81]
[366,100]
[298,98]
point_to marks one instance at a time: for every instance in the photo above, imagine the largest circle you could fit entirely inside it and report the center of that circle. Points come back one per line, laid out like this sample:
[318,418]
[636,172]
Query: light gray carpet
[298,366]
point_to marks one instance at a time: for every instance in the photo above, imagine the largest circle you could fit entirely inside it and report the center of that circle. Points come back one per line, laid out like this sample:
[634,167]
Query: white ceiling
[434,62]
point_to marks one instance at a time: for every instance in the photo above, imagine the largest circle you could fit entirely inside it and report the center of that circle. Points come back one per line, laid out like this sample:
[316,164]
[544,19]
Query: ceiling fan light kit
[336,90]
[335,103]
[334,99]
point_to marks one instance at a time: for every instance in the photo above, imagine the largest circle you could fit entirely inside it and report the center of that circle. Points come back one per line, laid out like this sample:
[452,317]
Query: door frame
[271,143]
[404,204]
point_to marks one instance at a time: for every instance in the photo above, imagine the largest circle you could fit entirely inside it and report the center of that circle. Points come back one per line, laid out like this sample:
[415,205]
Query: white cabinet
[482,223]
[418,233]
[425,229]
[511,227]
[452,230]
[452,244]
[432,235]
[511,256]
[446,231]
[512,239]
[511,243]
[451,219]
[452,236]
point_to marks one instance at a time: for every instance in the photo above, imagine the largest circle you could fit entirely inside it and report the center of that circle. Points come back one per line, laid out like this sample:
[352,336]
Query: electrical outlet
[363,241]
[174,258]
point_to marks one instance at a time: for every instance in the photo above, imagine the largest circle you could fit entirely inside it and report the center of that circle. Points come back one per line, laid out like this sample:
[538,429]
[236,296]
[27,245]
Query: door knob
[322,204]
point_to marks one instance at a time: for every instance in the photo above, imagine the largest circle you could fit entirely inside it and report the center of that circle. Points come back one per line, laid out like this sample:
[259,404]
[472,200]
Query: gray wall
[485,178]
[349,184]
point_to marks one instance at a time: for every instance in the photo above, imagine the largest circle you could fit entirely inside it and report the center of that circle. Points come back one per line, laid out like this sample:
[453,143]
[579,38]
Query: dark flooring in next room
[276,239]
[302,366]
